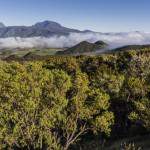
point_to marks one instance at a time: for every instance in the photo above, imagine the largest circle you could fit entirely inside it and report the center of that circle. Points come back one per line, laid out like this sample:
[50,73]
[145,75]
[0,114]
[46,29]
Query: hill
[131,47]
[83,48]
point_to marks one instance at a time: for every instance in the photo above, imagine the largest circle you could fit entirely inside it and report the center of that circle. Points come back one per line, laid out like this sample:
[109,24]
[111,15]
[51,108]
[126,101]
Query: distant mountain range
[74,44]
[43,29]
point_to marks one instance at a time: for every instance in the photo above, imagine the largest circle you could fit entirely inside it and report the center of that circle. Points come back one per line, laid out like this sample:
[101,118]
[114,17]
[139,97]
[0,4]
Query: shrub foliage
[51,104]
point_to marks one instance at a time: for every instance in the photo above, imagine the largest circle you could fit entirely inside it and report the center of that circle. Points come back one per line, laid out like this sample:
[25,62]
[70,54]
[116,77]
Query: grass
[22,52]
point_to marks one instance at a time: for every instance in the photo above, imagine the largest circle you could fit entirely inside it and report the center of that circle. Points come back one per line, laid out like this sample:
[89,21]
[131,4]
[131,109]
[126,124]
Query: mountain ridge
[44,29]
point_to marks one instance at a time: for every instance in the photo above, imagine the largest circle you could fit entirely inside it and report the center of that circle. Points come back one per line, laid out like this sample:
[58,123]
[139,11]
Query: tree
[87,111]
[28,115]
[108,80]
[141,114]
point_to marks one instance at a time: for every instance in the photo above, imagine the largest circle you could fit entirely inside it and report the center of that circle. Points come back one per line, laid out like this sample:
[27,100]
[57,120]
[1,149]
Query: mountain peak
[84,42]
[102,43]
[2,25]
[88,31]
[47,24]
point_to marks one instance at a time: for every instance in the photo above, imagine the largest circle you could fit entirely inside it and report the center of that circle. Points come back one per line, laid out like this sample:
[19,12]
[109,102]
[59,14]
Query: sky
[97,15]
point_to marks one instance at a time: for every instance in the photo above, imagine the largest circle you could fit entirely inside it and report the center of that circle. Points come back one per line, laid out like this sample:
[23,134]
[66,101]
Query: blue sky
[98,15]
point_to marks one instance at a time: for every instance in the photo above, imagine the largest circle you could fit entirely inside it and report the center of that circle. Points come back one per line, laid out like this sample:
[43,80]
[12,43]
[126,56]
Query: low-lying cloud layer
[113,39]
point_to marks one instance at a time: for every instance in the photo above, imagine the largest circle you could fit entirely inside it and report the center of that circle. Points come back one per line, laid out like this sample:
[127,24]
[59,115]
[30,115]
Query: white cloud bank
[113,39]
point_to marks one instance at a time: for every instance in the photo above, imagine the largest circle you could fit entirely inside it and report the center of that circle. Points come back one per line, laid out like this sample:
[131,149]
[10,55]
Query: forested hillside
[68,102]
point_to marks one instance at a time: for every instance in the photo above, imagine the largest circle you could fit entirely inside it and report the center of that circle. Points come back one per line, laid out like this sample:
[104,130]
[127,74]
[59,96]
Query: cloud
[113,39]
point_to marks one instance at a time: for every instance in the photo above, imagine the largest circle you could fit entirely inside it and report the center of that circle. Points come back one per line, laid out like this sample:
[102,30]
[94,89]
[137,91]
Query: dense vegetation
[63,102]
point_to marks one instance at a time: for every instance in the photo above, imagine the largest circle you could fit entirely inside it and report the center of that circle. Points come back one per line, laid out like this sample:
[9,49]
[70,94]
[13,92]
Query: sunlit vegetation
[66,102]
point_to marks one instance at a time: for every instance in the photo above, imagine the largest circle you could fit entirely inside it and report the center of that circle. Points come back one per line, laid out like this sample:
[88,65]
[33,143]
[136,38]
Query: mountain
[54,27]
[83,48]
[44,29]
